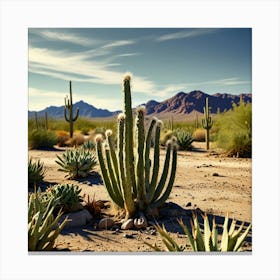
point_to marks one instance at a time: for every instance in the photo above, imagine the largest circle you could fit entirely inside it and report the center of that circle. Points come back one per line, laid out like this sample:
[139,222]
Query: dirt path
[206,181]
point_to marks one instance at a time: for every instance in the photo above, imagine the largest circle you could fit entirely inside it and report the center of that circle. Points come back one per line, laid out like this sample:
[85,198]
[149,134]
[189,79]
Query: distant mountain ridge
[181,104]
[185,103]
[86,110]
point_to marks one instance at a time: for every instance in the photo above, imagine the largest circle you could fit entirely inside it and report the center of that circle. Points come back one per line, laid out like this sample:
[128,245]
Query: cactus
[46,120]
[68,196]
[196,121]
[69,107]
[232,238]
[78,163]
[36,172]
[36,121]
[207,123]
[184,139]
[127,173]
[43,227]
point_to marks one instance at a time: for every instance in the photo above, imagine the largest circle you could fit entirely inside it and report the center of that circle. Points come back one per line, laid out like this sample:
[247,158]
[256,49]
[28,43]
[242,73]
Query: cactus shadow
[93,179]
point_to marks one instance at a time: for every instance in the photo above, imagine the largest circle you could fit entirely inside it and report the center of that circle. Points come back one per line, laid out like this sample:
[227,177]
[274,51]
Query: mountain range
[181,105]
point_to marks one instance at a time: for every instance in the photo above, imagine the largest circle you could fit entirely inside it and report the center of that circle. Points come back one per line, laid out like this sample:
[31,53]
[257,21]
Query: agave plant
[184,139]
[232,238]
[89,145]
[36,172]
[68,196]
[78,163]
[43,227]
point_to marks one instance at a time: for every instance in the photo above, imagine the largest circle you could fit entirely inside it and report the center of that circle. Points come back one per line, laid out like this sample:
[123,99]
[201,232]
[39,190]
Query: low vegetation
[232,238]
[77,163]
[36,172]
[184,139]
[234,133]
[67,195]
[43,226]
[41,139]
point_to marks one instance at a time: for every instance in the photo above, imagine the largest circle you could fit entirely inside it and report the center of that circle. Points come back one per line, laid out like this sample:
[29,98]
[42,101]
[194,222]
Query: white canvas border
[17,16]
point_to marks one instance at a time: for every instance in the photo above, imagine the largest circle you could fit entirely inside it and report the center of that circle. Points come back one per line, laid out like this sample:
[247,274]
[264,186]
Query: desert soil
[205,181]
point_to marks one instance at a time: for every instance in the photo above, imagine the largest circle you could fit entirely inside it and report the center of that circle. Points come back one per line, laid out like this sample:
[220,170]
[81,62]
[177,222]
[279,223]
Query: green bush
[235,130]
[165,136]
[36,172]
[42,139]
[68,196]
[184,139]
[78,163]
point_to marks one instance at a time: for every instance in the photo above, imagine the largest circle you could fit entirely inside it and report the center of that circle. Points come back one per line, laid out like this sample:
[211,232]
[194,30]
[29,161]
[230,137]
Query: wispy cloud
[118,43]
[65,37]
[186,34]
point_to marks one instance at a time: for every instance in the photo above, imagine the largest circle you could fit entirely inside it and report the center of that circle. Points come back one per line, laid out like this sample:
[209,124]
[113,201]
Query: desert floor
[205,181]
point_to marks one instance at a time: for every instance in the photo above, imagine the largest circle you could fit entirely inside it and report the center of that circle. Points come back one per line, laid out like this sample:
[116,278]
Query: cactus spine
[126,174]
[207,123]
[69,107]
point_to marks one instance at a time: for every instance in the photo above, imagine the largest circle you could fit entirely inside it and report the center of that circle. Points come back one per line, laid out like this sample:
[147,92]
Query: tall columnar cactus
[207,123]
[36,121]
[130,176]
[69,107]
[46,120]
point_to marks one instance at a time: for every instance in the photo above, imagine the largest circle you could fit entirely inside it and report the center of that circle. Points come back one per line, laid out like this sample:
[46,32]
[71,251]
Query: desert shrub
[68,196]
[199,135]
[206,239]
[36,172]
[43,226]
[77,163]
[93,206]
[62,138]
[41,139]
[77,140]
[165,136]
[235,130]
[184,139]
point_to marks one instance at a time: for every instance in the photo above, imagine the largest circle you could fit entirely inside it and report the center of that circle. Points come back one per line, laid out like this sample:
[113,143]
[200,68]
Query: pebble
[105,223]
[127,224]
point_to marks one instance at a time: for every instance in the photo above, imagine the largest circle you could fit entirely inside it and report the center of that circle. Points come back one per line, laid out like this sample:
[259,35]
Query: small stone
[127,224]
[76,219]
[140,222]
[189,204]
[106,223]
[129,236]
[215,174]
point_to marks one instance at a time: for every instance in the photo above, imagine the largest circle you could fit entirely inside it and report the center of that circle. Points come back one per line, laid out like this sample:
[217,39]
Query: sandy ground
[206,181]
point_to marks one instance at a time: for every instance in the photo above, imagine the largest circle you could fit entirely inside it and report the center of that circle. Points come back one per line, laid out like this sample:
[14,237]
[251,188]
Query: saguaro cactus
[207,123]
[36,121]
[127,173]
[69,107]
[46,120]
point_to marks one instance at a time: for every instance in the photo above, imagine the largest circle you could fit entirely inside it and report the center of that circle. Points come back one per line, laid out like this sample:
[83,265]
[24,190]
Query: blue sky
[162,62]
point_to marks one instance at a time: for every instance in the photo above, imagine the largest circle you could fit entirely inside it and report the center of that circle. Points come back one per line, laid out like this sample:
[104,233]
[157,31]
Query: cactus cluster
[184,139]
[69,108]
[77,163]
[68,196]
[207,123]
[130,176]
[43,227]
[231,241]
[36,172]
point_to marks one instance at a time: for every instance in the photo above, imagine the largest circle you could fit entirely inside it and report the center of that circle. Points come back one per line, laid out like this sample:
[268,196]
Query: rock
[106,223]
[130,236]
[189,204]
[78,219]
[215,174]
[141,222]
[127,224]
